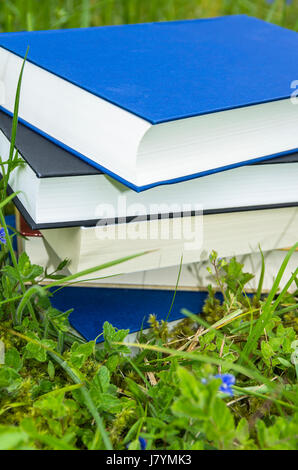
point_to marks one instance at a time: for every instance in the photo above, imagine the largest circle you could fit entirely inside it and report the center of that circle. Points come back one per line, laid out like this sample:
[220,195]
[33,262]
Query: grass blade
[16,109]
[262,275]
[72,277]
[176,288]
[268,309]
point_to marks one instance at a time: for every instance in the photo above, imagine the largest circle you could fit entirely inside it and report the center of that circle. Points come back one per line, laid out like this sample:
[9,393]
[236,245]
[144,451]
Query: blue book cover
[123,308]
[195,62]
[163,73]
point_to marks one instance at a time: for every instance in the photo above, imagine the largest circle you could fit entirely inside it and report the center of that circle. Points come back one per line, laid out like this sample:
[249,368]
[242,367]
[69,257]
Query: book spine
[24,231]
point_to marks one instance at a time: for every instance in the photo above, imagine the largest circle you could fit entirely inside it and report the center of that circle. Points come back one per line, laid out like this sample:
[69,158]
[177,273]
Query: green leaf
[51,370]
[10,380]
[112,335]
[220,426]
[37,351]
[267,350]
[282,435]
[108,332]
[50,441]
[103,393]
[10,272]
[134,445]
[59,319]
[13,359]
[43,387]
[284,362]
[63,264]
[136,391]
[113,362]
[199,445]
[28,271]
[242,431]
[79,353]
[103,378]
[188,384]
[13,438]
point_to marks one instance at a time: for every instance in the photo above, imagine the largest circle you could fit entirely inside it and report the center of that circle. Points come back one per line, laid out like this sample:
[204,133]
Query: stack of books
[169,139]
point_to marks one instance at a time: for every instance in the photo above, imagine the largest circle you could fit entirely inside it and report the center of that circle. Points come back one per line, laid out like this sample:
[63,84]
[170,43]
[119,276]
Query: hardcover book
[157,103]
[123,308]
[56,189]
[191,239]
[188,277]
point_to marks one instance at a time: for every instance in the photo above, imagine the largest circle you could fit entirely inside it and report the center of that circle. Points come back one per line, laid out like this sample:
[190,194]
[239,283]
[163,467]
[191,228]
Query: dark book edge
[125,220]
[46,159]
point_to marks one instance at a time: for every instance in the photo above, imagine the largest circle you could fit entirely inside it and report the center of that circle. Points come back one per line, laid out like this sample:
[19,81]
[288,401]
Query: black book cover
[46,159]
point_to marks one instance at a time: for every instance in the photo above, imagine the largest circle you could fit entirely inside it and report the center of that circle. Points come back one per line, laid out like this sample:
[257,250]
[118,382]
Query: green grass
[60,393]
[18,15]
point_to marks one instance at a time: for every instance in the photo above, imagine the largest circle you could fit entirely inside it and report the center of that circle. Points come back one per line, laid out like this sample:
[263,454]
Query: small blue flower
[2,236]
[143,443]
[228,380]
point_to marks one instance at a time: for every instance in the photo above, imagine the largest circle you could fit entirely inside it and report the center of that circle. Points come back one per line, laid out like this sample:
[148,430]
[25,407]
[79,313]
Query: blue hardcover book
[65,191]
[123,308]
[159,103]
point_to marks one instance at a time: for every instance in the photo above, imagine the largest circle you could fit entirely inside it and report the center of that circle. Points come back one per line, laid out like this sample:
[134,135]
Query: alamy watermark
[168,223]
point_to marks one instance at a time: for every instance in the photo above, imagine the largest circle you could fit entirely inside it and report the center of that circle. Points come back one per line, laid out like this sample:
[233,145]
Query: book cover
[123,308]
[46,159]
[229,234]
[49,160]
[136,85]
[138,67]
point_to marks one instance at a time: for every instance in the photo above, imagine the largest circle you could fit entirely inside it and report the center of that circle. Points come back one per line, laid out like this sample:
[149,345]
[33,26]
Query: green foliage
[166,393]
[32,14]
[282,435]
[79,353]
[209,414]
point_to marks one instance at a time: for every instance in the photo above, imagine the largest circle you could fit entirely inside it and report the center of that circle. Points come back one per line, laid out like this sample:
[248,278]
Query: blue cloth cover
[173,70]
[123,308]
[169,70]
